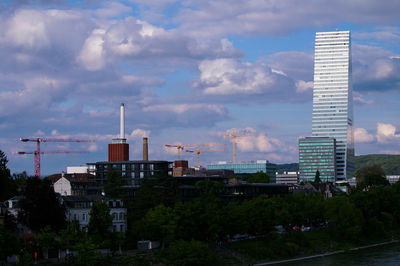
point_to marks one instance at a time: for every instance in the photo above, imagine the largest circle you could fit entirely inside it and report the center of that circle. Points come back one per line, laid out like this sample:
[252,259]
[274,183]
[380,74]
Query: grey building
[287,178]
[132,171]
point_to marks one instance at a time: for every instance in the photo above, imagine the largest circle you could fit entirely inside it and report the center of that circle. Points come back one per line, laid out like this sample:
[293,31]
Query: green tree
[371,176]
[209,187]
[41,207]
[8,243]
[113,186]
[48,240]
[20,180]
[345,218]
[159,223]
[153,192]
[317,177]
[200,219]
[86,253]
[189,253]
[70,236]
[7,187]
[259,177]
[100,221]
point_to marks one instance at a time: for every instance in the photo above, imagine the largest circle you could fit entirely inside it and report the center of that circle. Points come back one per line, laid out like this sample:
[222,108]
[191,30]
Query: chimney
[122,123]
[118,150]
[145,150]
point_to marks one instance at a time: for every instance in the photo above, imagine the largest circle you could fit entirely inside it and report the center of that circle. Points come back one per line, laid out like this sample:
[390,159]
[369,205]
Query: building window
[83,217]
[121,228]
[121,216]
[141,174]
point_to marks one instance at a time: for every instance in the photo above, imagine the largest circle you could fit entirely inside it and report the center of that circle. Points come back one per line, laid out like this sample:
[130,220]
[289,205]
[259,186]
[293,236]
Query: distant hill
[290,167]
[389,163]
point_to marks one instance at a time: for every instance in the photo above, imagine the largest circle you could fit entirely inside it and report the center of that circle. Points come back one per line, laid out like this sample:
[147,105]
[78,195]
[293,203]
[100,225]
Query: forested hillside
[389,163]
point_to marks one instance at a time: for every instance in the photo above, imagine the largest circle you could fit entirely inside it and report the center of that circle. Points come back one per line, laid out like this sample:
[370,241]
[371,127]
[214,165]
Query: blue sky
[188,72]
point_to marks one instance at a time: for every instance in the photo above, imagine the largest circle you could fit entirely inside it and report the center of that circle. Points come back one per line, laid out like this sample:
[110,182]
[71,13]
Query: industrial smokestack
[122,123]
[145,150]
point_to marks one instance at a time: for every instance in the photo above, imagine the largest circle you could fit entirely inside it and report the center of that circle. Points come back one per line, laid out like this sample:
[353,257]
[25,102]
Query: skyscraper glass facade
[317,154]
[332,98]
[248,168]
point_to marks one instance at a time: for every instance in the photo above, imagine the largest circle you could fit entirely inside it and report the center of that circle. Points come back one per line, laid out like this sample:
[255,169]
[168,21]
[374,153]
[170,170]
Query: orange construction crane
[37,152]
[233,135]
[198,154]
[180,147]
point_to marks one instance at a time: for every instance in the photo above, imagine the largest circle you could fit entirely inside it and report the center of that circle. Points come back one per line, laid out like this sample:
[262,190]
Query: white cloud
[303,86]
[362,135]
[386,133]
[233,76]
[92,53]
[93,147]
[27,28]
[249,141]
[139,133]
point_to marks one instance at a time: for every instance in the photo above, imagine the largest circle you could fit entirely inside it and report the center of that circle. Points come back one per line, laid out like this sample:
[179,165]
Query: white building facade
[63,186]
[332,97]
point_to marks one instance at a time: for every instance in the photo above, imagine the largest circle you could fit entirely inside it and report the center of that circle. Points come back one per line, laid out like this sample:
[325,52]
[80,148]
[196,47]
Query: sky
[189,72]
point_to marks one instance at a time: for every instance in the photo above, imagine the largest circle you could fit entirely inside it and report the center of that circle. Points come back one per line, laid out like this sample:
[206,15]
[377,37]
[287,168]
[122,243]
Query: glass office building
[332,97]
[317,154]
[248,168]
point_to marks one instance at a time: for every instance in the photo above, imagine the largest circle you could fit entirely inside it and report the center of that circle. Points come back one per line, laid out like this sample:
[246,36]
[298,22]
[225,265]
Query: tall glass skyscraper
[332,98]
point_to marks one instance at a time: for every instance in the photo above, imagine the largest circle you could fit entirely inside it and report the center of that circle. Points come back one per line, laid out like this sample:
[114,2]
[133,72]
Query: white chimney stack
[122,123]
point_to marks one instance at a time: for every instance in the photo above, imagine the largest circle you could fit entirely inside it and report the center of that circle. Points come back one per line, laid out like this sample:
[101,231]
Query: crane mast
[180,147]
[199,151]
[233,135]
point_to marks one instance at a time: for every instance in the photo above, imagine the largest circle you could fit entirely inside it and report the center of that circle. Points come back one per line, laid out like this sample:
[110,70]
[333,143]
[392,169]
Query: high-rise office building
[317,154]
[332,98]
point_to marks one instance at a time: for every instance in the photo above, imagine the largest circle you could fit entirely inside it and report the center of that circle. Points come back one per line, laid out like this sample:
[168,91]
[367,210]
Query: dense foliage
[41,207]
[7,186]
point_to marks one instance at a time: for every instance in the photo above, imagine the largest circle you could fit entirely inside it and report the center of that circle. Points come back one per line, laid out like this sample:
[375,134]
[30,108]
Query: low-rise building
[78,209]
[287,177]
[393,178]
[250,167]
[131,171]
[74,184]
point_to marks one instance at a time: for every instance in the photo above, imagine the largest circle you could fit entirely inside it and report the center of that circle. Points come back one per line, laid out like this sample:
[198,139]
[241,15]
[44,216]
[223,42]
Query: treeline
[375,212]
